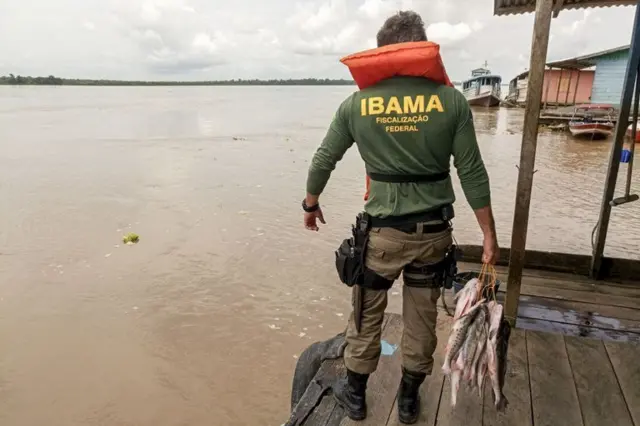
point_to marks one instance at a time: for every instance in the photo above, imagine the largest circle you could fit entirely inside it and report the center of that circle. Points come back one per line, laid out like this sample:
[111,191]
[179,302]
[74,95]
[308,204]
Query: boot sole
[350,414]
[409,421]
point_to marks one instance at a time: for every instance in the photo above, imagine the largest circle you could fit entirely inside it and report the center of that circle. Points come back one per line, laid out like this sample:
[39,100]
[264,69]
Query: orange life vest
[415,59]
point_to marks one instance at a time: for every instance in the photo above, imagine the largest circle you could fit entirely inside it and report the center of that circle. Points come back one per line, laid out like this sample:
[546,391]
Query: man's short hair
[402,27]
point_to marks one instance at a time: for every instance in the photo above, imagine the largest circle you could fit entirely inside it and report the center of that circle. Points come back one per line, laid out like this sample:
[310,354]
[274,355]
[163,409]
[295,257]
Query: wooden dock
[572,360]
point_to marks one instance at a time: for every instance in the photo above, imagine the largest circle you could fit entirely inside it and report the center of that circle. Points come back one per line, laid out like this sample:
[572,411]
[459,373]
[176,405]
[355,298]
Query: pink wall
[567,87]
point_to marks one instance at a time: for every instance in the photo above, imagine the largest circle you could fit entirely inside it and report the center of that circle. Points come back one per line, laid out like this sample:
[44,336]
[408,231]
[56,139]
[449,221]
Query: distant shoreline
[56,81]
[18,80]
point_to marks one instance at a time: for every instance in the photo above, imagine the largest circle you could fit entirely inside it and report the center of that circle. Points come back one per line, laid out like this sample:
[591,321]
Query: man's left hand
[310,220]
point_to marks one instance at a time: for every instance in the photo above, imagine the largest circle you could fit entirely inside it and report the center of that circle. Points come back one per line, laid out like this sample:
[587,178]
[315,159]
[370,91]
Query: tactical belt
[444,214]
[383,177]
[432,228]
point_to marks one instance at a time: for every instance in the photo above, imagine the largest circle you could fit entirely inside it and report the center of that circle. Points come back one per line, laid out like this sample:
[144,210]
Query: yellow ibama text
[409,105]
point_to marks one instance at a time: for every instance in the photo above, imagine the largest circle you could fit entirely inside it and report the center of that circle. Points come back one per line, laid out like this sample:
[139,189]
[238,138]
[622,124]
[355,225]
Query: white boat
[483,88]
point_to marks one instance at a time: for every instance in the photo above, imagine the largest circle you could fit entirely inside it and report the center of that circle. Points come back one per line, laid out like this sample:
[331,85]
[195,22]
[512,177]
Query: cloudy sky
[215,39]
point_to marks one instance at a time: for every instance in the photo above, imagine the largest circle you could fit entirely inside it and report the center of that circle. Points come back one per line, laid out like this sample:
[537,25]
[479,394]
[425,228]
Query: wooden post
[575,93]
[558,91]
[616,149]
[566,97]
[539,45]
[546,92]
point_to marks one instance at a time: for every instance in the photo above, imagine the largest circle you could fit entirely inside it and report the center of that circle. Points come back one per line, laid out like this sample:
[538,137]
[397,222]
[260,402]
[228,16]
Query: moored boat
[483,88]
[630,130]
[584,124]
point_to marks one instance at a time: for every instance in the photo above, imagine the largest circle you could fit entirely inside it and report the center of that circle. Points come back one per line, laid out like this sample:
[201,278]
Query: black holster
[351,255]
[451,266]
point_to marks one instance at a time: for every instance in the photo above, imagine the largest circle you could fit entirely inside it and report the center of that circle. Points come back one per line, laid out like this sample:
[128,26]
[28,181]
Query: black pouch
[349,262]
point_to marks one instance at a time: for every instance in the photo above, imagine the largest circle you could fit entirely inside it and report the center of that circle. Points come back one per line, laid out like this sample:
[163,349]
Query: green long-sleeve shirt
[406,125]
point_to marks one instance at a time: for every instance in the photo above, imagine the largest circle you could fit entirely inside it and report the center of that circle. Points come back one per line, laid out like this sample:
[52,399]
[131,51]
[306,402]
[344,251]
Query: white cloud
[376,8]
[195,39]
[339,44]
[477,26]
[309,18]
[443,32]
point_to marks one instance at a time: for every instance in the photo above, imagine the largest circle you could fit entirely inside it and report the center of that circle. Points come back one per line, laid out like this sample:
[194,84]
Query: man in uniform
[410,217]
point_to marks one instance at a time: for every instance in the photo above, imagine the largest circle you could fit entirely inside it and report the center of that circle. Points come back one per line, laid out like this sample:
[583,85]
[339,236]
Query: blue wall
[609,78]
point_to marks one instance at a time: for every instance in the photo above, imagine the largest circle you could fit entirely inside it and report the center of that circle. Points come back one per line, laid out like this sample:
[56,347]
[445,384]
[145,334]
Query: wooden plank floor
[573,360]
[552,380]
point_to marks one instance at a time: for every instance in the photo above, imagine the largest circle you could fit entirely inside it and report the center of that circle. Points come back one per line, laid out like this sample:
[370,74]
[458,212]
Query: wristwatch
[309,209]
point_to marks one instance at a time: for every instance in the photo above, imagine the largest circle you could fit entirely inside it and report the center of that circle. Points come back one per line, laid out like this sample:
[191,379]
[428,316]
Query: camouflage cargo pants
[388,252]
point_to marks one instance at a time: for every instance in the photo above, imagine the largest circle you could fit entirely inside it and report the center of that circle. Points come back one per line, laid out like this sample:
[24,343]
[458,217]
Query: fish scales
[495,314]
[457,337]
[475,364]
[474,335]
[466,298]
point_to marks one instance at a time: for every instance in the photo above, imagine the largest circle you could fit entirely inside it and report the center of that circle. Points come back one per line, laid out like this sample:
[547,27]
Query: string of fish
[477,344]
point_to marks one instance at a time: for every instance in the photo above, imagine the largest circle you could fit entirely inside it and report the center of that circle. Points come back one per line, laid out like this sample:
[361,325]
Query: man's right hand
[490,250]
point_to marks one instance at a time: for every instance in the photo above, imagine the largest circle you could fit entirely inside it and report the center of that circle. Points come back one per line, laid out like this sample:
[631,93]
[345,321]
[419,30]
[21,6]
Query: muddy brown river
[200,323]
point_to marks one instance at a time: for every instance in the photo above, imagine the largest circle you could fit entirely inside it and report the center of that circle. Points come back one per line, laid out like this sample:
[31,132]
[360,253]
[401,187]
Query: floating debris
[340,314]
[274,327]
[237,138]
[387,348]
[302,334]
[294,357]
[107,255]
[131,238]
[135,308]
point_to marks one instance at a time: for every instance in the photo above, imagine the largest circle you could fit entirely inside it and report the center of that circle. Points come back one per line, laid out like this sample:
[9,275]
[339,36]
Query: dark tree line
[52,80]
[13,79]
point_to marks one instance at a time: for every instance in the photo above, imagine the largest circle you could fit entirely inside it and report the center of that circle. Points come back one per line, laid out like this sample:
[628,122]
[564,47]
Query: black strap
[444,213]
[408,178]
[431,228]
[373,281]
[426,269]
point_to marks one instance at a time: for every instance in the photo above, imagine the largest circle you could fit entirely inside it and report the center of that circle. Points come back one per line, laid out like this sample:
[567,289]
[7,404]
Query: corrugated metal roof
[585,61]
[516,7]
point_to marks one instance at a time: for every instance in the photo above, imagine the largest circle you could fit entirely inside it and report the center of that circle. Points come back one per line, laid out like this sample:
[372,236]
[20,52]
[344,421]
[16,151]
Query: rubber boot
[350,394]
[409,396]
